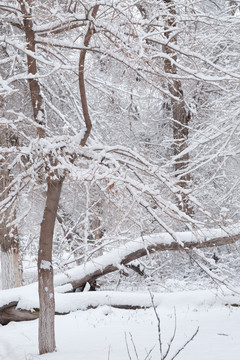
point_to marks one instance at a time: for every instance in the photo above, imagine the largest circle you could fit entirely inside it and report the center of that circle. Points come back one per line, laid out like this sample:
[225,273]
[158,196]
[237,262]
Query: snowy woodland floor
[108,333]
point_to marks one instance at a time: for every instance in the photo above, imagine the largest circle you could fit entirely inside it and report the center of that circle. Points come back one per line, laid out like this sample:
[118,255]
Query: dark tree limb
[11,313]
[82,88]
[135,268]
[34,86]
[100,270]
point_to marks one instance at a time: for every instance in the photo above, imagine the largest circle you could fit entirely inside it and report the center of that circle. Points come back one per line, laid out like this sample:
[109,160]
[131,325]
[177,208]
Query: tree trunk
[46,333]
[10,260]
[11,266]
[180,116]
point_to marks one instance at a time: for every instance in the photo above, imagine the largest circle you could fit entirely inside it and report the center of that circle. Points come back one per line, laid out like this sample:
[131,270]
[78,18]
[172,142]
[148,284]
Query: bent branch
[134,250]
[82,88]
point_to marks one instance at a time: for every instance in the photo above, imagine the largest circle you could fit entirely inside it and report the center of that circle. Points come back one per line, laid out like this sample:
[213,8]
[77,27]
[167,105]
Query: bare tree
[54,150]
[45,270]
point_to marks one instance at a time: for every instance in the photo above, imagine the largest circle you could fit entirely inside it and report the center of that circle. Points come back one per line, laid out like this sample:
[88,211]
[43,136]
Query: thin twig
[186,343]
[134,347]
[109,351]
[159,325]
[149,353]
[173,335]
[127,346]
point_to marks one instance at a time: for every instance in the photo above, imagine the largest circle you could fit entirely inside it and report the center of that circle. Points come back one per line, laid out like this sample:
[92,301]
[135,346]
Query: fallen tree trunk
[27,307]
[113,260]
[117,258]
[11,313]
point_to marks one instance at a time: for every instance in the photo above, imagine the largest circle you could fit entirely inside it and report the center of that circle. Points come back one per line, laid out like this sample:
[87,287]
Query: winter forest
[119,179]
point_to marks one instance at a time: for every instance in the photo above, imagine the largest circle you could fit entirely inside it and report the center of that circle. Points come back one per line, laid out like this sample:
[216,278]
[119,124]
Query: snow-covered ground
[108,333]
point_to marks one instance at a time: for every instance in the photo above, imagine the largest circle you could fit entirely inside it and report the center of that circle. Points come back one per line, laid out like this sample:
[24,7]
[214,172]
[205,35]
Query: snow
[115,256]
[45,265]
[106,332]
[81,301]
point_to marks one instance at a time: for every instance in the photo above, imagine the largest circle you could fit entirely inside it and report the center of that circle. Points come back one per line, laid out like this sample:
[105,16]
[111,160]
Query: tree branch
[133,250]
[82,89]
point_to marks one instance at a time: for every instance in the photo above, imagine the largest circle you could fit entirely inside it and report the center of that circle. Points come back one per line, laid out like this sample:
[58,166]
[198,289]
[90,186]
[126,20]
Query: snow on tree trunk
[180,115]
[46,334]
[11,268]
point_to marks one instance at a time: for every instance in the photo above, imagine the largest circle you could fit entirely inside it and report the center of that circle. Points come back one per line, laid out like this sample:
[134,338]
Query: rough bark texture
[11,267]
[181,116]
[10,263]
[45,271]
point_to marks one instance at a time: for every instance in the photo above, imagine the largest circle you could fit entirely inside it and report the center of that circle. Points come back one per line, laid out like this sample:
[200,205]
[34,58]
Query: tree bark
[180,115]
[46,334]
[11,313]
[34,86]
[10,259]
[11,265]
[81,68]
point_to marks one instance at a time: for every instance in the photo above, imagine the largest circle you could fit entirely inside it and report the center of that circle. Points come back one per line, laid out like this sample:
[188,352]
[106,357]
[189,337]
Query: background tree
[132,69]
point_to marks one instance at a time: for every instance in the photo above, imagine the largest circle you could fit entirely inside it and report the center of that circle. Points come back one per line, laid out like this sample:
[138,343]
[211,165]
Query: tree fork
[46,333]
